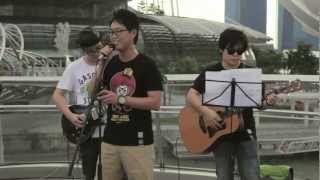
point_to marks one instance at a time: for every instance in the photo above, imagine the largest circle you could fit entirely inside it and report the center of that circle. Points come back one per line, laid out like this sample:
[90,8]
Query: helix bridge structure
[14,59]
[16,62]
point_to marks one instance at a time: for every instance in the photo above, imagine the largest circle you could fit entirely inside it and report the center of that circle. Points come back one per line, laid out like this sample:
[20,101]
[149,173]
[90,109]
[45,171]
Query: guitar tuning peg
[96,102]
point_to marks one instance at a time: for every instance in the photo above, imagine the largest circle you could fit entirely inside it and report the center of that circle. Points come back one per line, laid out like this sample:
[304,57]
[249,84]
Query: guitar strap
[238,111]
[100,109]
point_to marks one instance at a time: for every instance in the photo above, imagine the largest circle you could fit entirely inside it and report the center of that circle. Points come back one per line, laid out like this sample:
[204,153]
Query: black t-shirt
[249,130]
[126,125]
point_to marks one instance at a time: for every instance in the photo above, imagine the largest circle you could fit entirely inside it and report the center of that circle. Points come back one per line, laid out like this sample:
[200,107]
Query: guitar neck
[292,87]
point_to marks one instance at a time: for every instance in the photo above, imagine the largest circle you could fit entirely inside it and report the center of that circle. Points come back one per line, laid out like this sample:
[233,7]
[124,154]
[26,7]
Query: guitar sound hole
[202,125]
[211,131]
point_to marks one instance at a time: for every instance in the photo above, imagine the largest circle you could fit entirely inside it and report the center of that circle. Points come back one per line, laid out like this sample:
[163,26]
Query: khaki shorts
[134,161]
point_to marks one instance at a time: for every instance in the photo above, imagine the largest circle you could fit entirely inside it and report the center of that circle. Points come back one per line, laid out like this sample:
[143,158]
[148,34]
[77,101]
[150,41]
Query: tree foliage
[186,65]
[270,61]
[149,8]
[296,61]
[301,60]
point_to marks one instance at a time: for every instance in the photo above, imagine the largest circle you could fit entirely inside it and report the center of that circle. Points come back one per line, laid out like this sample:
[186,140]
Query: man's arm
[270,100]
[194,100]
[105,56]
[152,101]
[210,117]
[60,100]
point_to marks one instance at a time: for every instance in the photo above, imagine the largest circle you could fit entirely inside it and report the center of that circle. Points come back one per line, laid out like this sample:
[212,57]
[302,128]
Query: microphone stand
[98,87]
[73,159]
[102,119]
[79,142]
[99,171]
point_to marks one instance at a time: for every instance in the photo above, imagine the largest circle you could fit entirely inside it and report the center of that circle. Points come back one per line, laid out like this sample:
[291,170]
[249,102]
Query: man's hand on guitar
[107,97]
[212,119]
[271,99]
[77,119]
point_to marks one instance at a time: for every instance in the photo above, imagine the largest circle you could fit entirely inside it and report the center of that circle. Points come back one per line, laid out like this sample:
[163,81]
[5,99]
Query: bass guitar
[80,135]
[198,138]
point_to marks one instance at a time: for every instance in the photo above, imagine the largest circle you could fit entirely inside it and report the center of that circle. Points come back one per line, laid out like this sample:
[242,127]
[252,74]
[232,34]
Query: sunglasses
[233,50]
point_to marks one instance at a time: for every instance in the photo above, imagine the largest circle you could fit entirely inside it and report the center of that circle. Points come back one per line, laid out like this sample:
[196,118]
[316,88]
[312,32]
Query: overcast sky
[205,9]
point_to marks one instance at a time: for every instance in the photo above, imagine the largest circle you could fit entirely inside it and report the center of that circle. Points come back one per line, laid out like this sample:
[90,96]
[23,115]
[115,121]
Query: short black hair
[231,37]
[87,38]
[127,19]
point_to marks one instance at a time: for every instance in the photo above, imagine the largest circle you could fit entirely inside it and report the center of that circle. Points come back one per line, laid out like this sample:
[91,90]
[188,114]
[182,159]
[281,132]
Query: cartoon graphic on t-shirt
[84,86]
[123,84]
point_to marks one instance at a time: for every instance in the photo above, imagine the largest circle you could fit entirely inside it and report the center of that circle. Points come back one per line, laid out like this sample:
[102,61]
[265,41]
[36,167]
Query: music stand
[233,89]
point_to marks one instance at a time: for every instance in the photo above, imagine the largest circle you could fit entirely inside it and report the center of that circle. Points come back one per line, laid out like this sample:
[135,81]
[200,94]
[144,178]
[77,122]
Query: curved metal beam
[305,15]
[3,41]
[15,37]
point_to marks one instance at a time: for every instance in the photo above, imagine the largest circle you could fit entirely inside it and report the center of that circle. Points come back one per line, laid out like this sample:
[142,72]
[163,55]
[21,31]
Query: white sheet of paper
[219,93]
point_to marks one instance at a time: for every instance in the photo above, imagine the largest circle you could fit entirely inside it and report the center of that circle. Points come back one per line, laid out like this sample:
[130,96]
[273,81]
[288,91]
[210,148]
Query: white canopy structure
[307,12]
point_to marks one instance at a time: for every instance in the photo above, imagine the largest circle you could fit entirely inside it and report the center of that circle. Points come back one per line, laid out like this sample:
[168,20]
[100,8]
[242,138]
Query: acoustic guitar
[198,138]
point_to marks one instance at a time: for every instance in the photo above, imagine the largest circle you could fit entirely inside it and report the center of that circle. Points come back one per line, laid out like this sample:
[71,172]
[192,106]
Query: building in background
[254,14]
[250,13]
[291,31]
[93,12]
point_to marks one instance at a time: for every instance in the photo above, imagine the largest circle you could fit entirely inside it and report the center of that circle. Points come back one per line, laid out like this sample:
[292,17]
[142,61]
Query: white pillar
[319,97]
[1,142]
[172,8]
[177,4]
[319,108]
[306,108]
[272,22]
[292,103]
[257,118]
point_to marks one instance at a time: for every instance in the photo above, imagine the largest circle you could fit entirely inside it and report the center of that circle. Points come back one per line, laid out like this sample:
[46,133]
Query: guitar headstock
[293,86]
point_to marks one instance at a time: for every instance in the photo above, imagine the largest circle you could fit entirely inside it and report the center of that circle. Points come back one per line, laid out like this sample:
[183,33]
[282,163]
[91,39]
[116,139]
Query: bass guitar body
[71,132]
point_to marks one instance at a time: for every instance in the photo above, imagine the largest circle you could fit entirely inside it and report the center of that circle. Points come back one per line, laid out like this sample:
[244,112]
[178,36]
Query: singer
[75,81]
[133,87]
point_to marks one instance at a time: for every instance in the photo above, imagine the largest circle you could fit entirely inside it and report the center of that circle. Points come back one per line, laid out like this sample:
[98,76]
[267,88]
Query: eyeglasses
[233,50]
[117,32]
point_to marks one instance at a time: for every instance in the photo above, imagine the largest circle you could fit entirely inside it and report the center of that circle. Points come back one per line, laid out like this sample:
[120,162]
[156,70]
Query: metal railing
[171,113]
[296,132]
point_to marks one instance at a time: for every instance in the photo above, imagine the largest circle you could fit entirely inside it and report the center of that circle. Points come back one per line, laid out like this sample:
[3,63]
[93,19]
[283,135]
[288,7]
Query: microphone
[102,56]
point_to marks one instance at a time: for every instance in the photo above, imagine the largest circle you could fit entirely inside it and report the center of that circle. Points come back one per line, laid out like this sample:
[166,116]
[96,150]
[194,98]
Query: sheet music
[218,92]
